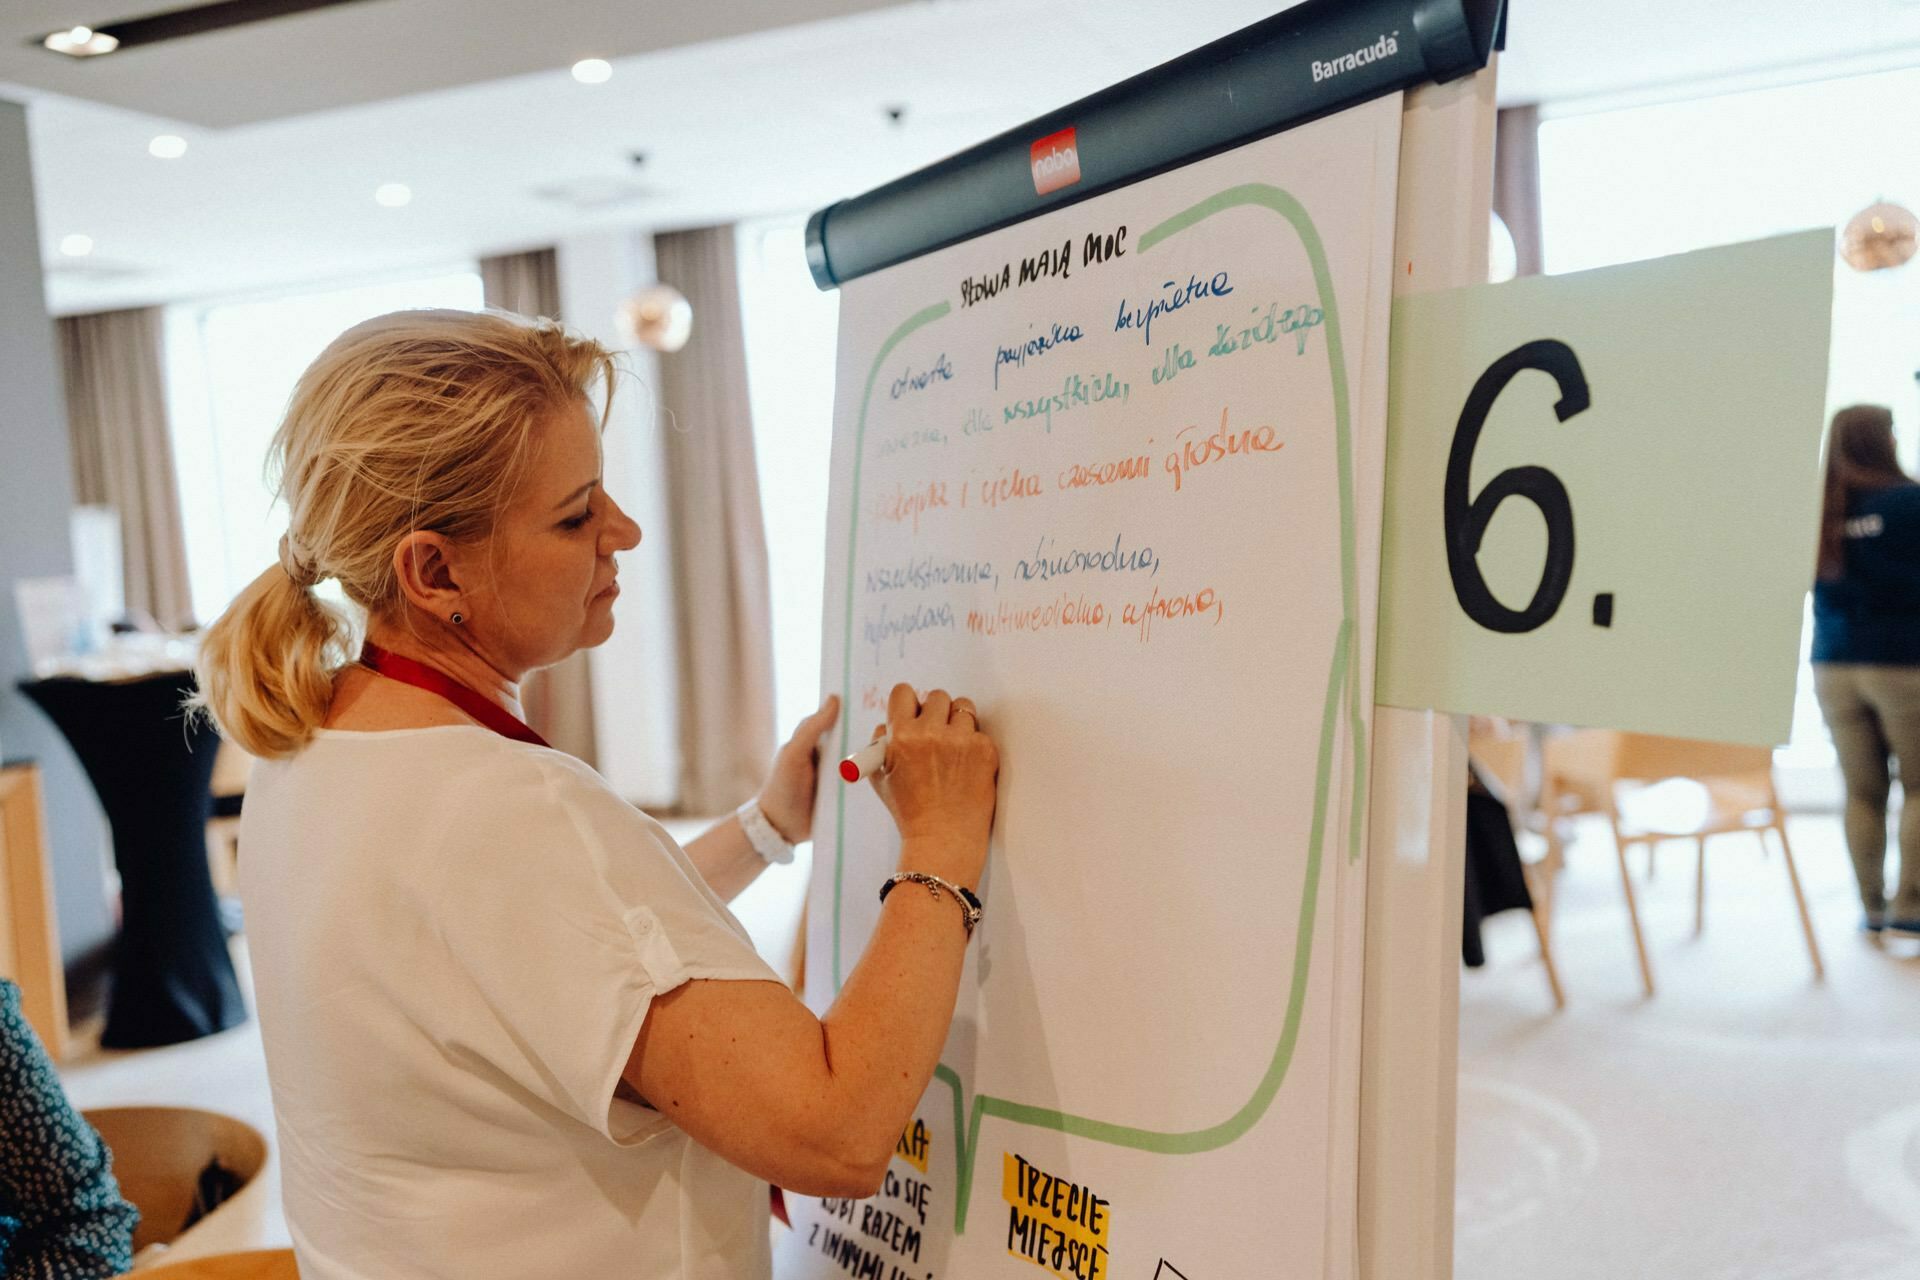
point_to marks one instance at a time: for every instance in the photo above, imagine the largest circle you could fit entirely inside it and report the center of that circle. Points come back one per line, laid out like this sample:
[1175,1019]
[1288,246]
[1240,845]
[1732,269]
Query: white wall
[1673,177]
[634,687]
[36,494]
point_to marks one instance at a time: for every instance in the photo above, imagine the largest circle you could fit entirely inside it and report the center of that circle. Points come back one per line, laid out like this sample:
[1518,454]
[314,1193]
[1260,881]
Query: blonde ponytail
[412,420]
[266,667]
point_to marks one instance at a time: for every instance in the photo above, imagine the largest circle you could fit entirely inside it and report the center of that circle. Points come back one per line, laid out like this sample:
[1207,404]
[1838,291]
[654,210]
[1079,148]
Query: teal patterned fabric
[61,1215]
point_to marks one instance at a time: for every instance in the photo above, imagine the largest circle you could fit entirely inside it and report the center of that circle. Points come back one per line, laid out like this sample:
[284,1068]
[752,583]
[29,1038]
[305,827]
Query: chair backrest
[231,769]
[158,1153]
[255,1264]
[1577,769]
[1499,751]
[1583,766]
[1645,757]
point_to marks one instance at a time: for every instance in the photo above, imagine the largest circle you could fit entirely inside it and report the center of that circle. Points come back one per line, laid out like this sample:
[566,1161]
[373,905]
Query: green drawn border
[1340,682]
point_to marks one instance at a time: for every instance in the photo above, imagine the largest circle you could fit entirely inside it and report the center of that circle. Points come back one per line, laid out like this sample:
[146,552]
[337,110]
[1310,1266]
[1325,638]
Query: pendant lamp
[659,316]
[1880,237]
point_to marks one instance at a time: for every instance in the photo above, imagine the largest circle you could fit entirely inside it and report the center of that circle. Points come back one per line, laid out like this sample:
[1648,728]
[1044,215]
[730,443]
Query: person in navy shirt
[1866,651]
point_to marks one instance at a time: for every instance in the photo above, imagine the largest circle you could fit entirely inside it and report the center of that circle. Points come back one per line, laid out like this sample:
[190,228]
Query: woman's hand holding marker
[936,777]
[867,761]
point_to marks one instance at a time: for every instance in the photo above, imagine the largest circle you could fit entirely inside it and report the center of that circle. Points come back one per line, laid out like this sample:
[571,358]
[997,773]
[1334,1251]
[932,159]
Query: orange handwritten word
[905,504]
[1009,485]
[870,699]
[1170,608]
[1223,443]
[1083,475]
[1063,610]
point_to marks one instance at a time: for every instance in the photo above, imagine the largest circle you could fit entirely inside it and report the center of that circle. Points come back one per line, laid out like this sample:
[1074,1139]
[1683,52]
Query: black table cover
[172,977]
[1496,880]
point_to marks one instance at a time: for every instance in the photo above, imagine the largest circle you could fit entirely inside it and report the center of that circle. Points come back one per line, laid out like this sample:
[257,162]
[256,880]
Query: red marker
[867,761]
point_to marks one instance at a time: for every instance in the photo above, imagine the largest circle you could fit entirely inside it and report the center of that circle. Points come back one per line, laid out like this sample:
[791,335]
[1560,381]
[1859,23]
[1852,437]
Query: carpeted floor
[1747,1123]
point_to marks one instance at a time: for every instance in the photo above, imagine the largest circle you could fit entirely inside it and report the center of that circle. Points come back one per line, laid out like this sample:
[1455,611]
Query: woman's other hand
[938,783]
[787,799]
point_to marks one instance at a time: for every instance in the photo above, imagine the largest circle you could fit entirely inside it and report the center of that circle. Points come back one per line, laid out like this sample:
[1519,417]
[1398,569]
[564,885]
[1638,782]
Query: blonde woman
[511,1028]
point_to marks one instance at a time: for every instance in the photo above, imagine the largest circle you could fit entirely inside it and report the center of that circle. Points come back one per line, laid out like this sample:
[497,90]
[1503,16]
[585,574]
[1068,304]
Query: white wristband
[767,842]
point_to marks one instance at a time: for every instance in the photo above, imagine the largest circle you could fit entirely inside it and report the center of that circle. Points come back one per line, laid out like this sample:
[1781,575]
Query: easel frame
[1416,832]
[1402,1136]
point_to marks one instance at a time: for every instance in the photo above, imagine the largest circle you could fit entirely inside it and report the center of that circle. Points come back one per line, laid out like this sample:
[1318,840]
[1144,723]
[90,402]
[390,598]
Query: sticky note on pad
[1603,493]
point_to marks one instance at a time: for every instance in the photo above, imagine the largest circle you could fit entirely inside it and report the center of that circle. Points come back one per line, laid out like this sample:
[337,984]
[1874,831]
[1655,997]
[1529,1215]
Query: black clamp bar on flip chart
[1310,61]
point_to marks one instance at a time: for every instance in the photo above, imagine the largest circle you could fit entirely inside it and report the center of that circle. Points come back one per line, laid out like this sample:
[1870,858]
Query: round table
[172,977]
[257,1264]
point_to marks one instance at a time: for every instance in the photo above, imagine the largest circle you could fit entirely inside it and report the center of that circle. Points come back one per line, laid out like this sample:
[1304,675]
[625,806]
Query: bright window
[1620,186]
[1624,185]
[792,332]
[231,368]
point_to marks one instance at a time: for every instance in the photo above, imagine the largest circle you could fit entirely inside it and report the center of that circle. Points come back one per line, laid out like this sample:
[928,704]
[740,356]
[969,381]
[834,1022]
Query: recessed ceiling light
[76,246]
[593,71]
[81,42]
[167,146]
[393,194]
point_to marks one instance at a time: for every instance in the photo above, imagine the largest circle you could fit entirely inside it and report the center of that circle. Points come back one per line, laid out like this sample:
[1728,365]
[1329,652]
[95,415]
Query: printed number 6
[1465,520]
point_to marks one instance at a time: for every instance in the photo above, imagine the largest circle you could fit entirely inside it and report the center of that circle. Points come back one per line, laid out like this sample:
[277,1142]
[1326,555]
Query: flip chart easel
[1416,833]
[1396,1143]
[1602,404]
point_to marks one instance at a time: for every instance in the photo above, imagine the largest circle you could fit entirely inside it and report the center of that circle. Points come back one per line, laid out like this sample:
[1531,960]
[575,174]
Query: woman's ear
[423,565]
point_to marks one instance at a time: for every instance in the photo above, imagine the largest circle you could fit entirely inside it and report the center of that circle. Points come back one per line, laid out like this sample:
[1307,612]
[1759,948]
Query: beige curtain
[724,616]
[558,700]
[527,283]
[123,455]
[1516,183]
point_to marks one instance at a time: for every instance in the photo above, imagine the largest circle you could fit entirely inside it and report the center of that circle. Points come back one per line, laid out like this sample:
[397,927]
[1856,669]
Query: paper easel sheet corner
[1689,463]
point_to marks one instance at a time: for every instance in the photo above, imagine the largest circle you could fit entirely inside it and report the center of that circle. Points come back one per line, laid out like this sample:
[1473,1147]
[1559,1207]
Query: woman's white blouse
[455,938]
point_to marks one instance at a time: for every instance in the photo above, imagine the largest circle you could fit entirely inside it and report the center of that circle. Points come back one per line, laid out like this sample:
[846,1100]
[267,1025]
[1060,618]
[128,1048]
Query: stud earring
[459,618]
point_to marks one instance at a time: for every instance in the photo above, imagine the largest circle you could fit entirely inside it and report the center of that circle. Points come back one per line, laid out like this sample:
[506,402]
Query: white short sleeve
[454,940]
[566,911]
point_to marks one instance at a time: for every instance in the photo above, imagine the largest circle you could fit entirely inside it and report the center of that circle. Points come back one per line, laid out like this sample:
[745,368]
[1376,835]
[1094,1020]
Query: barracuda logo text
[1385,47]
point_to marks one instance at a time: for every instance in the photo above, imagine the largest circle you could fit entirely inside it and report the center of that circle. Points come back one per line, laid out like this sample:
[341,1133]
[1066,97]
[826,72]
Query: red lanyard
[421,676]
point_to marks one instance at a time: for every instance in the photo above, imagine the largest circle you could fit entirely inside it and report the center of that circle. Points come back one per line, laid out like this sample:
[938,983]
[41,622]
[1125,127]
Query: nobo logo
[1056,162]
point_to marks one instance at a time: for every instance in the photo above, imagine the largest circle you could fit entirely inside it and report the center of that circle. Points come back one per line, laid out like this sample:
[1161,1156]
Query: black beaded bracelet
[970,906]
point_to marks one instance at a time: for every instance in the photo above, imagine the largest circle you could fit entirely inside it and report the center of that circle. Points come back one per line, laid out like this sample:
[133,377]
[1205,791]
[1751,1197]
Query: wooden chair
[231,769]
[158,1156]
[1583,772]
[1499,754]
[29,929]
[255,1264]
[1576,778]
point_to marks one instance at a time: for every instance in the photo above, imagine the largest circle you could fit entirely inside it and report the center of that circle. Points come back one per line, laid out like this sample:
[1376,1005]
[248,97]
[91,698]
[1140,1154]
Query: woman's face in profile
[544,584]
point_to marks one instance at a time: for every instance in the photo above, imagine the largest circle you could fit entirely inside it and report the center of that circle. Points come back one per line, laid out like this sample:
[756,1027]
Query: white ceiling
[361,52]
[292,123]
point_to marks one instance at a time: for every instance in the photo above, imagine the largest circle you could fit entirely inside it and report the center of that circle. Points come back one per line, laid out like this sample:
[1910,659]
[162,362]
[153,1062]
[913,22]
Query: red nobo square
[1056,162]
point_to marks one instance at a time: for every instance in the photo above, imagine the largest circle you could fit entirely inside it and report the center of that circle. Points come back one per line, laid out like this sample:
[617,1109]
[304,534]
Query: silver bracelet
[969,901]
[766,842]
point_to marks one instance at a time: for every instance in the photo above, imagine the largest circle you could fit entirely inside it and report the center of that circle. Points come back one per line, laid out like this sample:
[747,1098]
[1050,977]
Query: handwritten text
[1174,297]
